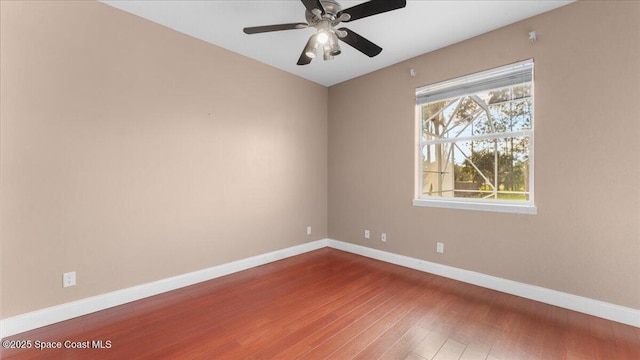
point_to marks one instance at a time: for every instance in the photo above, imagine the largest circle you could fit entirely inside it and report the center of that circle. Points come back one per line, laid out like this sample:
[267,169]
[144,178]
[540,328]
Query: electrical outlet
[367,235]
[308,230]
[440,247]
[383,237]
[69,279]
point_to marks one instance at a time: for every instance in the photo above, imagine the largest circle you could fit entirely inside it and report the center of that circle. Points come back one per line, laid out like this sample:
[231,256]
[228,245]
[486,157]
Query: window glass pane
[437,170]
[476,134]
[431,109]
[501,111]
[489,169]
[474,169]
[511,108]
[513,168]
[433,119]
[462,117]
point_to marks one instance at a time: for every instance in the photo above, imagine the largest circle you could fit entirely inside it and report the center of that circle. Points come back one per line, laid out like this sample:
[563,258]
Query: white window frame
[467,85]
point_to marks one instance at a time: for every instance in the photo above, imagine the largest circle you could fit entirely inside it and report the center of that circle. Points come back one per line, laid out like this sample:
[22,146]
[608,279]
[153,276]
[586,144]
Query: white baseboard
[581,304]
[29,321]
[33,320]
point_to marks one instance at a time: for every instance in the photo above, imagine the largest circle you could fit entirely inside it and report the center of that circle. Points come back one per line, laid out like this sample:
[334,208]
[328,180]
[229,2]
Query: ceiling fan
[325,15]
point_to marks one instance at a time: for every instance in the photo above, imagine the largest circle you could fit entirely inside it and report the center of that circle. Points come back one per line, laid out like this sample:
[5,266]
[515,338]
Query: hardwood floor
[329,304]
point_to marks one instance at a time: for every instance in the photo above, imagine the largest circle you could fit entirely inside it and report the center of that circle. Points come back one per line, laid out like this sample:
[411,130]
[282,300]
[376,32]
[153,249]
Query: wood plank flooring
[329,304]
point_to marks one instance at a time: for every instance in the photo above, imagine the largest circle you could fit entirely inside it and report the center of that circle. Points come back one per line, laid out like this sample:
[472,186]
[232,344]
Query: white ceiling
[422,26]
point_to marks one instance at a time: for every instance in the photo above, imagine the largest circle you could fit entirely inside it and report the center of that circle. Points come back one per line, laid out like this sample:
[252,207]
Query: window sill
[525,208]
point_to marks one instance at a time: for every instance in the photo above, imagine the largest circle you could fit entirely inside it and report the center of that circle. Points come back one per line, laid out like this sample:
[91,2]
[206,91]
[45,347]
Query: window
[475,141]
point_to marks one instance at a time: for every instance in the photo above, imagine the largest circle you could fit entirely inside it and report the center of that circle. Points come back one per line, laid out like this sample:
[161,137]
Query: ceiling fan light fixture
[327,54]
[323,37]
[311,49]
[334,46]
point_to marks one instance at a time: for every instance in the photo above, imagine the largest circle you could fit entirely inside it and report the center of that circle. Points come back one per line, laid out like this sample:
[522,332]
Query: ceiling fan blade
[359,43]
[268,28]
[372,7]
[304,58]
[313,4]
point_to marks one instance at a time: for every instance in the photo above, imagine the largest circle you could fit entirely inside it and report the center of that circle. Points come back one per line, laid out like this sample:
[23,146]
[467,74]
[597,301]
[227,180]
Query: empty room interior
[172,186]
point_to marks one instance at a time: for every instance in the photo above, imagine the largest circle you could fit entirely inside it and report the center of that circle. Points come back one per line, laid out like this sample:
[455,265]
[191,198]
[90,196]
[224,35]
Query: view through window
[476,137]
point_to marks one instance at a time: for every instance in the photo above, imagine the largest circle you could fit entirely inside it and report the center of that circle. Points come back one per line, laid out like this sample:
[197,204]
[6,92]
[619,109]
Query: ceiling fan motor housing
[331,9]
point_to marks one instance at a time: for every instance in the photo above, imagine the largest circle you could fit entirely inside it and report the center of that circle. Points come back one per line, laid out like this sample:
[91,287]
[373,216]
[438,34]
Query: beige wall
[585,239]
[132,153]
